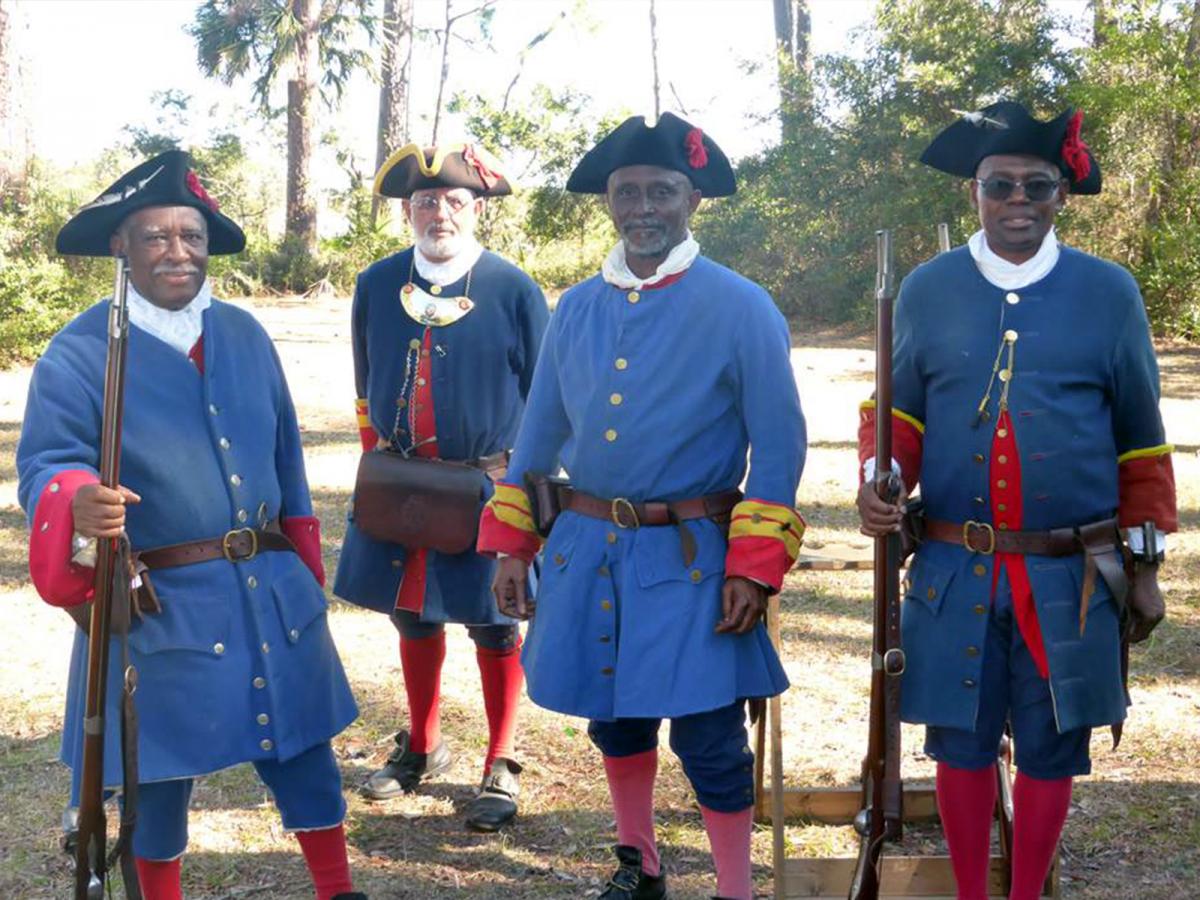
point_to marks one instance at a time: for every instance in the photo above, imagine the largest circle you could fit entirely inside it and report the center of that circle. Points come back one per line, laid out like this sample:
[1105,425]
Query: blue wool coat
[482,370]
[657,398]
[1084,391]
[240,664]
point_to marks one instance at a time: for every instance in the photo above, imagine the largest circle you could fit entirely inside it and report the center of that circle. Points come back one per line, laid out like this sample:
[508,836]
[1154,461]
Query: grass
[1134,828]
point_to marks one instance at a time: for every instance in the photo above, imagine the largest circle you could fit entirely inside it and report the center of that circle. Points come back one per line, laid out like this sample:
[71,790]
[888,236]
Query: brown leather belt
[236,545]
[982,537]
[626,514]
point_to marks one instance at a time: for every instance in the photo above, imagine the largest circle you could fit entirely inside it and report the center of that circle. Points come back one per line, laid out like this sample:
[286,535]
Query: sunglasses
[1036,190]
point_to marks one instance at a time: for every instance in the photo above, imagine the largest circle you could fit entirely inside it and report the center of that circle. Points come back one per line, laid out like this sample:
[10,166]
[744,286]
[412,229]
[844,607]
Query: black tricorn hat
[417,168]
[672,144]
[1008,127]
[166,180]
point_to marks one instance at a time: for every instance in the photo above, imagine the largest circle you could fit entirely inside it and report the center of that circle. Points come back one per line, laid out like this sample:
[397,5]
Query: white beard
[443,248]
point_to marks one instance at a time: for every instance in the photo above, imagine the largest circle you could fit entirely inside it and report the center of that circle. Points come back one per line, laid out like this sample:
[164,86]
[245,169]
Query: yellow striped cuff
[510,506]
[361,410]
[752,518]
[898,413]
[1142,453]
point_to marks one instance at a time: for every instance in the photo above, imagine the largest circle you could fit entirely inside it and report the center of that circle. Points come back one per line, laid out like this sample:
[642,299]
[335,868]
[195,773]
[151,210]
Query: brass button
[1002,432]
[1002,459]
[435,289]
[610,435]
[224,442]
[294,634]
[979,500]
[1003,526]
[622,363]
[1010,336]
[259,682]
[559,559]
[607,670]
[746,751]
[634,297]
[696,575]
[980,569]
[1012,297]
[1002,507]
[978,457]
[402,403]
[980,609]
[396,564]
[1001,483]
[420,382]
[266,743]
[242,515]
[1004,374]
[212,408]
[235,479]
[262,719]
[415,344]
[606,605]
[615,399]
[54,487]
[968,682]
[972,651]
[611,537]
[252,581]
[218,648]
[602,571]
[265,647]
[931,593]
[605,639]
[424,353]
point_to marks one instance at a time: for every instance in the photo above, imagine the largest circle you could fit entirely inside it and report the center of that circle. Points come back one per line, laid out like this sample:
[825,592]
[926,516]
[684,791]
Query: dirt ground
[1134,827]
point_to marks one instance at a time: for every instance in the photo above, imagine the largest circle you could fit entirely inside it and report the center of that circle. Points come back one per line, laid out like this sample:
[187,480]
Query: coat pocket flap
[927,584]
[299,601]
[185,623]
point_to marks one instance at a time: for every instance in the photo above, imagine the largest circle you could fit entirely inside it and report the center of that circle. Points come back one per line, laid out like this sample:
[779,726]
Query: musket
[111,588]
[880,818]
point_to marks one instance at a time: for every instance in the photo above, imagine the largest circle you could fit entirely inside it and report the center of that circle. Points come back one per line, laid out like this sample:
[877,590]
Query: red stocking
[966,800]
[160,880]
[422,664]
[325,854]
[1039,811]
[502,677]
[631,785]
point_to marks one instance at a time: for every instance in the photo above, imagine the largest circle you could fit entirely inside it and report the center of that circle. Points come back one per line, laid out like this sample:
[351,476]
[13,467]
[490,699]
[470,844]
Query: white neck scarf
[453,269]
[180,328]
[1010,276]
[615,270]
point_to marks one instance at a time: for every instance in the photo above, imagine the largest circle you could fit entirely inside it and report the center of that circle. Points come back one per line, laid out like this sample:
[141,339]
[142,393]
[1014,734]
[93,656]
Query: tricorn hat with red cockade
[416,168]
[671,143]
[166,180]
[1008,128]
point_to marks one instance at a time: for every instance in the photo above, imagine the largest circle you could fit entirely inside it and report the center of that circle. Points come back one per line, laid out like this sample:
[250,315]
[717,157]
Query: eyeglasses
[1037,189]
[430,202]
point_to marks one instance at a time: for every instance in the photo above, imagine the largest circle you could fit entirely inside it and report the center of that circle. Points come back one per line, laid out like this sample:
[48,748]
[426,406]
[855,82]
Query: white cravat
[1010,276]
[453,269]
[180,328]
[615,270]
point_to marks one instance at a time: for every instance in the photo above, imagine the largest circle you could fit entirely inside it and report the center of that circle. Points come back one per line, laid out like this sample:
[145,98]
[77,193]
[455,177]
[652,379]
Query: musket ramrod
[881,815]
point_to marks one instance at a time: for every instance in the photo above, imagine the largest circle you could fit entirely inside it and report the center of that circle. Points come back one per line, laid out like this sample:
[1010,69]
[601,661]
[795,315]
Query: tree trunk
[301,225]
[793,36]
[654,60]
[394,73]
[444,74]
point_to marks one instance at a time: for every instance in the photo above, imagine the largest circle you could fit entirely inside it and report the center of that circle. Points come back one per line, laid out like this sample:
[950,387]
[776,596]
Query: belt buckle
[227,548]
[619,504]
[991,532]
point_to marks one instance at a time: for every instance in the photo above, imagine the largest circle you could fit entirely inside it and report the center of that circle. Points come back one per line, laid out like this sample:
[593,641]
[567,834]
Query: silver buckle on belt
[991,532]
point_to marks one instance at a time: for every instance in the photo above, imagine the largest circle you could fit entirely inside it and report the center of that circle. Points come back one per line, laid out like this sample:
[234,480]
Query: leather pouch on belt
[133,597]
[912,528]
[545,501]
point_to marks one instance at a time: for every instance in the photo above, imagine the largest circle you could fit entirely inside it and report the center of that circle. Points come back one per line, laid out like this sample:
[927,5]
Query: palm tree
[298,38]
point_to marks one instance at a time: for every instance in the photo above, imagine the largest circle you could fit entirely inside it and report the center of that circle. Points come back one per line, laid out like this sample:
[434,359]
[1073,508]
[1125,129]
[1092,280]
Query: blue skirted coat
[482,368]
[1083,400]
[656,395]
[240,664]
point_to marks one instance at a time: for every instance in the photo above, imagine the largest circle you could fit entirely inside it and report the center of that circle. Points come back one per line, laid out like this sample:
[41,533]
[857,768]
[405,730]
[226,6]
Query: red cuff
[500,537]
[1147,492]
[59,581]
[305,533]
[366,431]
[761,559]
[907,443]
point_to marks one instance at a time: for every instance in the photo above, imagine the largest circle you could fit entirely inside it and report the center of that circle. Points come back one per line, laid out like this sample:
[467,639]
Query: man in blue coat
[238,665]
[445,337]
[656,377]
[1026,407]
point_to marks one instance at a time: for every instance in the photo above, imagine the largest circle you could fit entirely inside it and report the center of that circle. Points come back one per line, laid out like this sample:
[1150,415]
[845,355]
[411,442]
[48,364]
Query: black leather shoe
[357,895]
[405,770]
[629,882]
[496,803]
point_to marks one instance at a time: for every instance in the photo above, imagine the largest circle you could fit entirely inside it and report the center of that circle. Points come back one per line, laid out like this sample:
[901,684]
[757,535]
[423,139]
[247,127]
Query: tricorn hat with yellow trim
[166,180]
[671,143]
[417,168]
